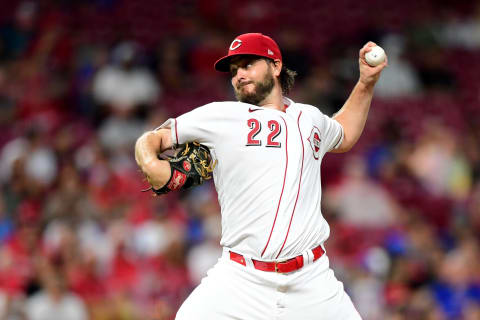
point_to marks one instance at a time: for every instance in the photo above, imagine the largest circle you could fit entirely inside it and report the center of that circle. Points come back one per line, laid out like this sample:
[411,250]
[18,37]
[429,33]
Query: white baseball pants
[233,291]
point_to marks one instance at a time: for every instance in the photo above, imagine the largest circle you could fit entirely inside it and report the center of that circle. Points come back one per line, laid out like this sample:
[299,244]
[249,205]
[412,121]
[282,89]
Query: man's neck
[274,100]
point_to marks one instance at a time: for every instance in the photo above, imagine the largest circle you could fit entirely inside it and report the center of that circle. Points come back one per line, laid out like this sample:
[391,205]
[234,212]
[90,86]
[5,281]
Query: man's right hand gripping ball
[191,165]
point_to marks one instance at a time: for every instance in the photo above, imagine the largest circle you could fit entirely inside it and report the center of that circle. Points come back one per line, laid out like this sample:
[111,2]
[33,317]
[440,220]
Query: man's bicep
[341,148]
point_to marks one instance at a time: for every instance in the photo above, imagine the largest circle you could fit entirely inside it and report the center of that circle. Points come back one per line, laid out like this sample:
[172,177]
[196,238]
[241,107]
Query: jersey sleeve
[200,124]
[332,133]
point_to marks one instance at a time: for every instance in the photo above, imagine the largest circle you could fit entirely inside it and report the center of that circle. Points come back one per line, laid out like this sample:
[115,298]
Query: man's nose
[241,73]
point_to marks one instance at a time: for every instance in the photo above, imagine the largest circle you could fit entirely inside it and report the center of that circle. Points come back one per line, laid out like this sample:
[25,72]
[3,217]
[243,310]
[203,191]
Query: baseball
[375,56]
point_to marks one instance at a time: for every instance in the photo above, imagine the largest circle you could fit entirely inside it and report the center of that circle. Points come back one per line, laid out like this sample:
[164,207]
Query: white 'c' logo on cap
[235,44]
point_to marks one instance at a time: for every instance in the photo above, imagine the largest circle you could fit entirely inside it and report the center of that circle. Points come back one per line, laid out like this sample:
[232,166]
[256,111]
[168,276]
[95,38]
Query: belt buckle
[276,263]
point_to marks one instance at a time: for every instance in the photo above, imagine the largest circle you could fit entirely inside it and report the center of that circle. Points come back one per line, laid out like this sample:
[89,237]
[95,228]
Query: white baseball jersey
[268,173]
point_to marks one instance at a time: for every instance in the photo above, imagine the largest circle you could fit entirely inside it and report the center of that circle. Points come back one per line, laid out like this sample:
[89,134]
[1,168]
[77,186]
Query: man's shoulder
[223,107]
[219,104]
[308,108]
[224,103]
[212,110]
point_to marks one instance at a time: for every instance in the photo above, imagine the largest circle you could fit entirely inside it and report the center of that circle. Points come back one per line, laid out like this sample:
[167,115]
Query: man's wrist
[365,86]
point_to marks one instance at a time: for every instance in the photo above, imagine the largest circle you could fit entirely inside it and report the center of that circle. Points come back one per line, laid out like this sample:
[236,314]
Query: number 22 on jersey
[255,128]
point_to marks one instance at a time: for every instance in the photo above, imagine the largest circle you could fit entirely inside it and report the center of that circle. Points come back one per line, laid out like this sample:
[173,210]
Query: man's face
[252,78]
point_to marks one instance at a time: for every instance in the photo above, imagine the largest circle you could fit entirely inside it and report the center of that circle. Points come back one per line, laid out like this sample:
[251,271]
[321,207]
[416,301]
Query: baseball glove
[190,167]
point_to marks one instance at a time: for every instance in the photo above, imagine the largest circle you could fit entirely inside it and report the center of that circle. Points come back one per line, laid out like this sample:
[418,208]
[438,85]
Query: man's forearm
[353,115]
[146,149]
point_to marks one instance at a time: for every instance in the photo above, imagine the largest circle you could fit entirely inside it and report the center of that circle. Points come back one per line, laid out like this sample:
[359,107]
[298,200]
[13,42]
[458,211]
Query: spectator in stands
[124,85]
[400,79]
[457,279]
[124,88]
[461,32]
[439,164]
[360,201]
[15,36]
[204,253]
[55,301]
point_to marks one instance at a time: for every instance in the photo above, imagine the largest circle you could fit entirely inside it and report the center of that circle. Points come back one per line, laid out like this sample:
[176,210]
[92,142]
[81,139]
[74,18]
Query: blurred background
[81,80]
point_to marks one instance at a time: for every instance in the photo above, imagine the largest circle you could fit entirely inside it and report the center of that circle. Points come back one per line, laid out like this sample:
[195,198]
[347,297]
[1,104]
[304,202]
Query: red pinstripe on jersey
[283,186]
[299,184]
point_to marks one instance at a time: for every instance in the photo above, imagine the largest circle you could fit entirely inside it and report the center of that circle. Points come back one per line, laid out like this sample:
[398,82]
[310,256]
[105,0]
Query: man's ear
[277,67]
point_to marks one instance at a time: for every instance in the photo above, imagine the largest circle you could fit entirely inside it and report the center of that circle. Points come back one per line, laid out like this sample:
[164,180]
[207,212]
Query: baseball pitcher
[264,152]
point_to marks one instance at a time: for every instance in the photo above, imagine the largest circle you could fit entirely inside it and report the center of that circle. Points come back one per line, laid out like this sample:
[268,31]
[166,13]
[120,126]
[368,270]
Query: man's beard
[261,91]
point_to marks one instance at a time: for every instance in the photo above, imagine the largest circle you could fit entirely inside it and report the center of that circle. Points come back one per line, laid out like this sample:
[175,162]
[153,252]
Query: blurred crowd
[81,80]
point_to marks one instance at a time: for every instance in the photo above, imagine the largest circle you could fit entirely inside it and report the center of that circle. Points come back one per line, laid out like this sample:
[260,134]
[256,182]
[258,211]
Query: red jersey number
[255,128]
[274,126]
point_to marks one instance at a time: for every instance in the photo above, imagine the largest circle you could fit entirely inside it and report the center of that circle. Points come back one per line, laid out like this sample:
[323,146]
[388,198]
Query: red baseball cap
[255,44]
